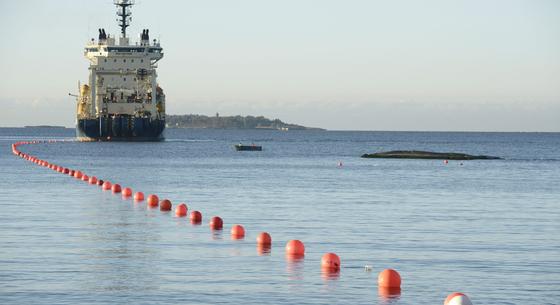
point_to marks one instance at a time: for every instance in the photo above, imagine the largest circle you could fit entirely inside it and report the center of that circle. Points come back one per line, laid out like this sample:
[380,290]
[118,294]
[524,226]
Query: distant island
[44,126]
[230,122]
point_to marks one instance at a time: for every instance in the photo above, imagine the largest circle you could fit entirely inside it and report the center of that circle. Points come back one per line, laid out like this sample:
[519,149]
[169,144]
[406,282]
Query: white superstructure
[122,75]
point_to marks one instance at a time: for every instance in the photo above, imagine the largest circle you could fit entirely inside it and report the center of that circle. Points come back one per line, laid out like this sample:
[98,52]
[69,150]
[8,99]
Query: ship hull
[120,128]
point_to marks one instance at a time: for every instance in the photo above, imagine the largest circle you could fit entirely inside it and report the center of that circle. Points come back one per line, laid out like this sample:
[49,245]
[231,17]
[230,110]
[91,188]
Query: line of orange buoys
[388,281]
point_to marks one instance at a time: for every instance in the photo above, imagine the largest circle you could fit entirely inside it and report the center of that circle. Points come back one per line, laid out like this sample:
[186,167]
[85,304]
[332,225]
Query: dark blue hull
[120,128]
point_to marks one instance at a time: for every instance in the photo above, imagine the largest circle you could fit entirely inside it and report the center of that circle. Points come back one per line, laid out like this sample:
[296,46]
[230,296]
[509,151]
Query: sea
[487,228]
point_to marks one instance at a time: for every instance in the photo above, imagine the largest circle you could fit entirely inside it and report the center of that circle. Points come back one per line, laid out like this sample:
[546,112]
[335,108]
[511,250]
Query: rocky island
[230,122]
[418,154]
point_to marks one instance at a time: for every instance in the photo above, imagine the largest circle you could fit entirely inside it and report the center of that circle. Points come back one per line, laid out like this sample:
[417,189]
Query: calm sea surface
[490,228]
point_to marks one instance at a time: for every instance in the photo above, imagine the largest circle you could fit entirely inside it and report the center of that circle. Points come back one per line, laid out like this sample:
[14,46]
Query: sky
[433,65]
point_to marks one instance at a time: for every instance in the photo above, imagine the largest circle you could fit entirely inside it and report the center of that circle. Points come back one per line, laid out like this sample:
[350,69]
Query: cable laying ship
[122,100]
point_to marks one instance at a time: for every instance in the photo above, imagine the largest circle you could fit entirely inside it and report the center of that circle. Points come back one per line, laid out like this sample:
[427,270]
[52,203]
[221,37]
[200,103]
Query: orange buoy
[457,298]
[237,232]
[78,175]
[92,180]
[116,188]
[164,205]
[264,239]
[138,196]
[66,171]
[216,223]
[445,161]
[126,192]
[85,178]
[196,217]
[389,278]
[71,173]
[153,201]
[330,261]
[181,210]
[100,182]
[107,185]
[295,247]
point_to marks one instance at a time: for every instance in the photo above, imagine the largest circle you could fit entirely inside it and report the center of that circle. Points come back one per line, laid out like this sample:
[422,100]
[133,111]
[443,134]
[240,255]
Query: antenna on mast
[124,14]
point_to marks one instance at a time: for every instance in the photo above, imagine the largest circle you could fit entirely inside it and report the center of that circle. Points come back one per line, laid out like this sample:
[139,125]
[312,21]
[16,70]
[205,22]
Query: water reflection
[328,274]
[217,235]
[138,205]
[294,266]
[196,222]
[115,252]
[263,250]
[389,295]
[330,279]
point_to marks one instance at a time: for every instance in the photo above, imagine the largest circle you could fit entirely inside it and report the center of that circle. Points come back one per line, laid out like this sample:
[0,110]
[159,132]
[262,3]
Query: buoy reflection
[263,249]
[294,266]
[329,274]
[389,295]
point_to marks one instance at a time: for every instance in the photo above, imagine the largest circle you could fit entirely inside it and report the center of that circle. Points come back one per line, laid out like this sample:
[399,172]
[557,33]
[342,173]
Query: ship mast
[124,14]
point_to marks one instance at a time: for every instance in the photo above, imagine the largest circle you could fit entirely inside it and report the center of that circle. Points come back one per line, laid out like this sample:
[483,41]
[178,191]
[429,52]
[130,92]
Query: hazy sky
[337,64]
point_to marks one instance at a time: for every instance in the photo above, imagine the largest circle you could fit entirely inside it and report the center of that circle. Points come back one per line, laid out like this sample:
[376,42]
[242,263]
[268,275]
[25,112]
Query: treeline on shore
[229,122]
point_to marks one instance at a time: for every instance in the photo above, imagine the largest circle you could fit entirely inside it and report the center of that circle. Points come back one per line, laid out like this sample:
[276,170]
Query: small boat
[252,147]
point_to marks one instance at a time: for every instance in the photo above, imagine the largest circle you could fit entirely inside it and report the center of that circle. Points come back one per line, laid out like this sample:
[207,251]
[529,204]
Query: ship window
[141,60]
[135,79]
[124,60]
[124,79]
[115,60]
[122,95]
[132,60]
[105,60]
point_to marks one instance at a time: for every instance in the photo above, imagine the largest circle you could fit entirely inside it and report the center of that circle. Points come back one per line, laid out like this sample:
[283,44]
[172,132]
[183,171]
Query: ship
[122,100]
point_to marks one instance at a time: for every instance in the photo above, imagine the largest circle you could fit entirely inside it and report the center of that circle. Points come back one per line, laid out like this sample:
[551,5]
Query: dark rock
[417,154]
